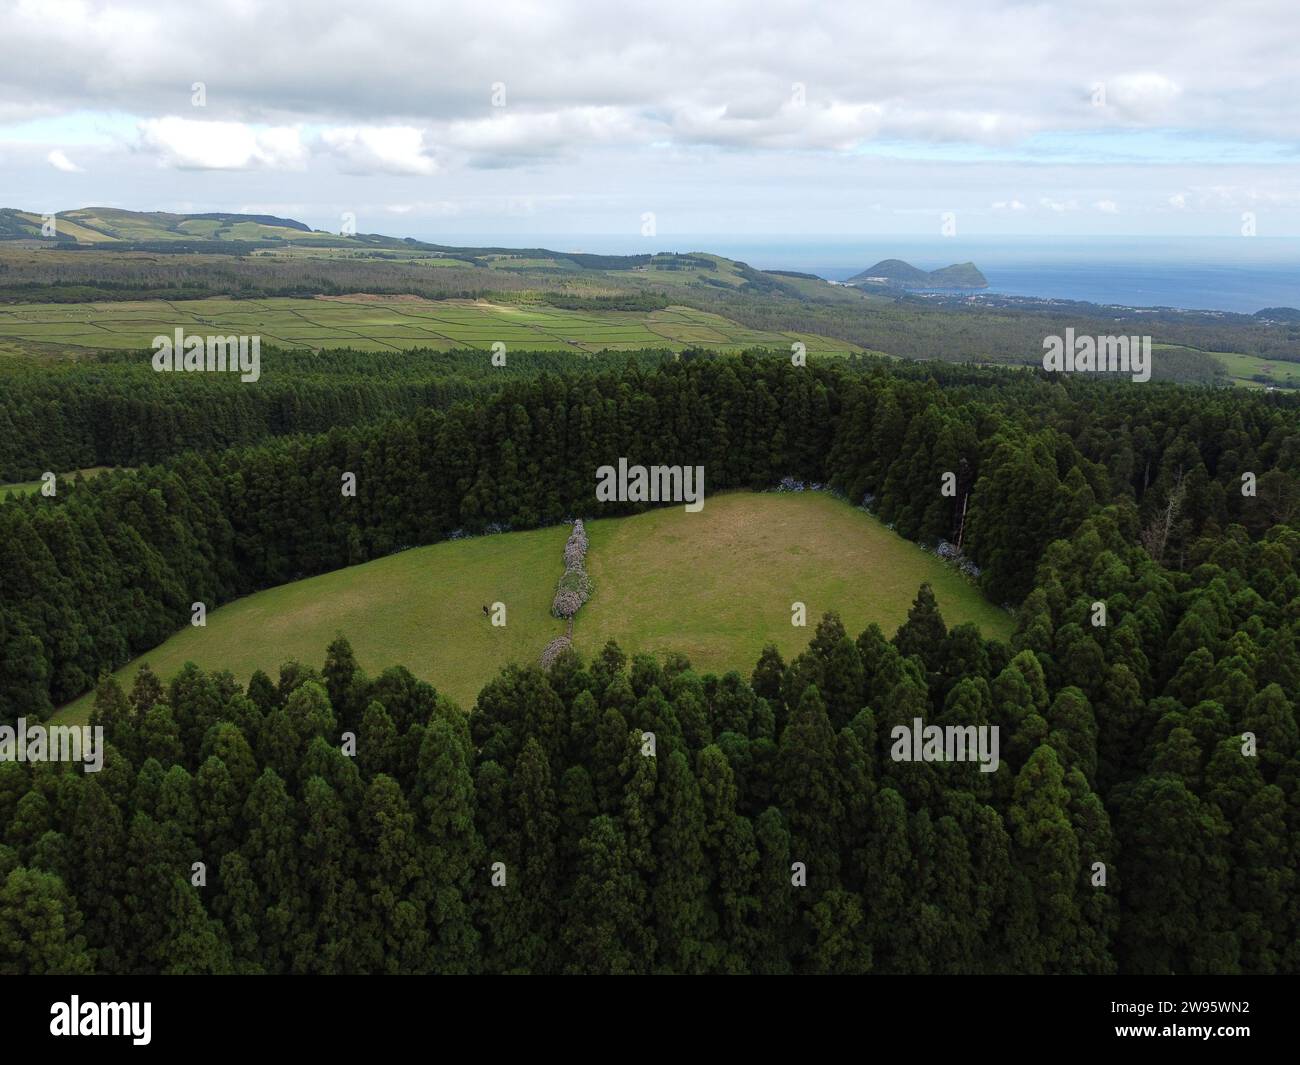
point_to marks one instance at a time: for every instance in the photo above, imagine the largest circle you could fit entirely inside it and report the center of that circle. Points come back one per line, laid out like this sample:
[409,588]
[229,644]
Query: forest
[1145,816]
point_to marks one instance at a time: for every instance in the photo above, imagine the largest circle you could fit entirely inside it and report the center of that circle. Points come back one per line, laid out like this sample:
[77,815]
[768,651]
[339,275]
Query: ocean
[1207,273]
[1220,274]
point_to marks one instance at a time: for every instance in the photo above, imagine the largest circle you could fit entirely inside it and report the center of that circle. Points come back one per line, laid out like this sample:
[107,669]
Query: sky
[659,121]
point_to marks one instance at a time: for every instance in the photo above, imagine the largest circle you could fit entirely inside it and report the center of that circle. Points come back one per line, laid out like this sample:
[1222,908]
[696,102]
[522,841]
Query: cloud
[517,134]
[958,124]
[685,106]
[60,161]
[793,124]
[1143,97]
[1217,197]
[983,71]
[417,208]
[1107,206]
[188,144]
[380,149]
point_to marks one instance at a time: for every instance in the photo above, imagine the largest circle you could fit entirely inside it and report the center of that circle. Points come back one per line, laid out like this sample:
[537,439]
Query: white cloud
[1238,197]
[1107,206]
[423,208]
[1143,97]
[59,160]
[834,125]
[982,71]
[958,124]
[189,144]
[380,149]
[690,107]
[520,134]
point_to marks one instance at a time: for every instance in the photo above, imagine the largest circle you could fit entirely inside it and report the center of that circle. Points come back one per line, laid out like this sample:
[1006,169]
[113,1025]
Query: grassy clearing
[421,608]
[716,585]
[1243,370]
[28,487]
[719,584]
[380,323]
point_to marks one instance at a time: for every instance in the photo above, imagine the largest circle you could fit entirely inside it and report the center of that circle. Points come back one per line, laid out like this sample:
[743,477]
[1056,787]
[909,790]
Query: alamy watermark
[239,354]
[102,1018]
[920,742]
[656,484]
[1102,354]
[55,743]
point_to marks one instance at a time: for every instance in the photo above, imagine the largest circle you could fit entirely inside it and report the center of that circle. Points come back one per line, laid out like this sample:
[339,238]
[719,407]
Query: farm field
[379,323]
[1240,369]
[715,585]
[1244,368]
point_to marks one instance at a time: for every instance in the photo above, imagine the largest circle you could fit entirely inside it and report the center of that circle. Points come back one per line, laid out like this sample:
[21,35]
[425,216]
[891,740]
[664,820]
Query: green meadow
[716,585]
[422,608]
[1244,369]
[1241,370]
[380,323]
[28,487]
[719,584]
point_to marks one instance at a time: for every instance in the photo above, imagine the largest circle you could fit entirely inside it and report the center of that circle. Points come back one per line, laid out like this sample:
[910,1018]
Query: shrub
[575,586]
[554,649]
[575,550]
[566,604]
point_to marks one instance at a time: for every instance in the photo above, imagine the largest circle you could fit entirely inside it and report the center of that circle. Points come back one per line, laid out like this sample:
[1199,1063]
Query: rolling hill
[894,273]
[108,225]
[716,585]
[109,228]
[94,231]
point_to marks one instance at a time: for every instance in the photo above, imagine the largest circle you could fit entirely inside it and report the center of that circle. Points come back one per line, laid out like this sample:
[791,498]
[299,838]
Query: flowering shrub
[951,553]
[489,530]
[792,484]
[575,586]
[575,550]
[576,579]
[554,649]
[574,589]
[566,604]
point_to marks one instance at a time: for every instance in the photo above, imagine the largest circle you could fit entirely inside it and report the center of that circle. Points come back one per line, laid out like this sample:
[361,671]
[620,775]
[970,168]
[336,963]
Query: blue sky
[771,117]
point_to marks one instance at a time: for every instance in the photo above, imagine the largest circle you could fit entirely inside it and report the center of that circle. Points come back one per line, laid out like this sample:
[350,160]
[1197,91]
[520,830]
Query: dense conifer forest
[540,830]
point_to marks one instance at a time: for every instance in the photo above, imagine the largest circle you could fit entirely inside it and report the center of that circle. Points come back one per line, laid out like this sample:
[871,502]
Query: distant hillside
[107,229]
[894,273]
[1279,314]
[103,226]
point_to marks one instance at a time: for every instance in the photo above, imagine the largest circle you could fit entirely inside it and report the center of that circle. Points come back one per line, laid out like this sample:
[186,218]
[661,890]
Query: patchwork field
[715,585]
[378,323]
[1252,371]
[1230,367]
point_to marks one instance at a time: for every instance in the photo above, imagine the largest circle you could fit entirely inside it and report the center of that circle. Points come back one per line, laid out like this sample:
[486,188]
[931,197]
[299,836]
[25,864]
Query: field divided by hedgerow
[716,585]
[379,323]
